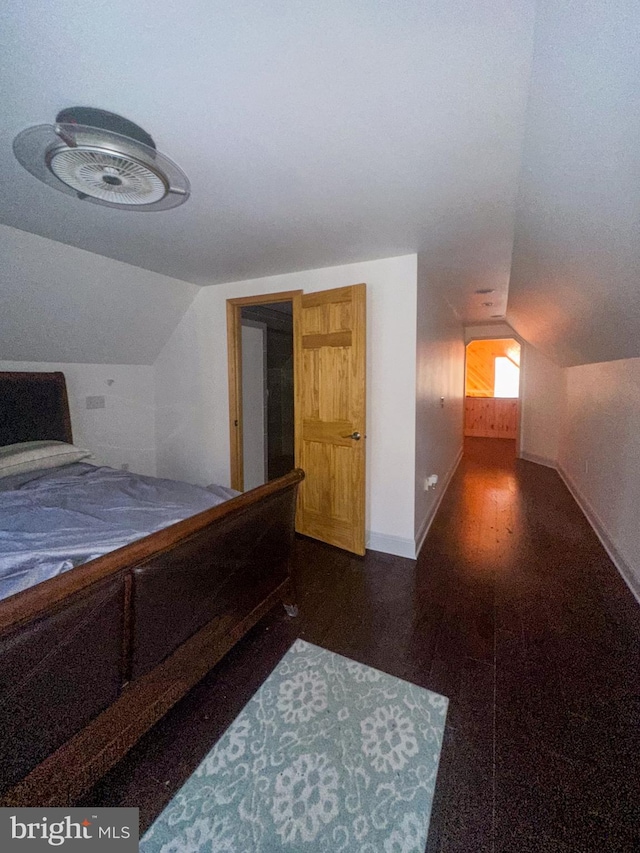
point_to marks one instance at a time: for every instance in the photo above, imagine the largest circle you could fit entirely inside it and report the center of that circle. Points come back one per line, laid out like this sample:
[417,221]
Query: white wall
[440,355]
[600,455]
[192,395]
[488,331]
[540,413]
[123,432]
[59,303]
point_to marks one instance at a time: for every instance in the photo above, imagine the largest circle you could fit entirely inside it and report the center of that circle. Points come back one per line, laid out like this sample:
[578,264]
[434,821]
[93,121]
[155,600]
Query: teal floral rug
[329,755]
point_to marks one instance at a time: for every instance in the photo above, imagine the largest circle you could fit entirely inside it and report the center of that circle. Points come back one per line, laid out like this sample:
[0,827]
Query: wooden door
[329,356]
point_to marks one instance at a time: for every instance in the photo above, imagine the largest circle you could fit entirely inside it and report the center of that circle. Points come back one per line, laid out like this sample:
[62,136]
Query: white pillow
[36,455]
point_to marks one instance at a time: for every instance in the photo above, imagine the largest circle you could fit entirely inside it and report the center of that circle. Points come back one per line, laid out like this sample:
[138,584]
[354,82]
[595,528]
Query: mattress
[53,520]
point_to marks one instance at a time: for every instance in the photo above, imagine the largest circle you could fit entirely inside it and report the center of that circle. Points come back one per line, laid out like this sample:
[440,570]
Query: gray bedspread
[51,521]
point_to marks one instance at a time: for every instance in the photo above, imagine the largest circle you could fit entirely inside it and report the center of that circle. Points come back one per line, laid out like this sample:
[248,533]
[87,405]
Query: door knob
[355,436]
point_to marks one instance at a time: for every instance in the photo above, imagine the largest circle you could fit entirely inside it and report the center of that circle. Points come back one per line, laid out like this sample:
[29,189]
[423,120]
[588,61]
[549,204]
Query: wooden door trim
[234,367]
[360,344]
[297,390]
[264,298]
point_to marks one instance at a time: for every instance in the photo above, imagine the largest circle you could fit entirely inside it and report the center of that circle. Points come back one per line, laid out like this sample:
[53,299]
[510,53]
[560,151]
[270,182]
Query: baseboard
[426,524]
[539,460]
[592,517]
[396,545]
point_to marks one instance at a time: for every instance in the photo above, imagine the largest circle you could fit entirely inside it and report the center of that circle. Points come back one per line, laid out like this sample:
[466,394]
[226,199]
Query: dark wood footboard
[91,659]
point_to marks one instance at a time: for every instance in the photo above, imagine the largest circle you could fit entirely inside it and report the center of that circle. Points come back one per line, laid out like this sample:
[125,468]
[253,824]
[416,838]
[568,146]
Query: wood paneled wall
[491,417]
[481,355]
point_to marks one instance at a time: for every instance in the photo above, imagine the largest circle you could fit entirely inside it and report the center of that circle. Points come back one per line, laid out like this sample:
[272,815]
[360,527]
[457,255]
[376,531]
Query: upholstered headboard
[34,407]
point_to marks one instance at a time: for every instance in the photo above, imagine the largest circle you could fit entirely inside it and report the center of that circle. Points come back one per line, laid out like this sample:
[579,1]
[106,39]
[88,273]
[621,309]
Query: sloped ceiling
[59,303]
[575,281]
[314,134]
[321,134]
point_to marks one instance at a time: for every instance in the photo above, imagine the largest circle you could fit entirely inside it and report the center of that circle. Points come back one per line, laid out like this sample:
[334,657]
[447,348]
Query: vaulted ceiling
[575,277]
[499,140]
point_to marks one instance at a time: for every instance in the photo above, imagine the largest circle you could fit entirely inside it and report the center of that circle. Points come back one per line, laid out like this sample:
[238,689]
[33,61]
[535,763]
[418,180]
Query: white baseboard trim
[623,567]
[426,524]
[539,460]
[396,545]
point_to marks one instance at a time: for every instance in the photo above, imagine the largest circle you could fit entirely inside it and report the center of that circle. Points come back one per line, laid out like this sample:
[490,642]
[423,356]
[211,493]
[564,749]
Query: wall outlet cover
[95,402]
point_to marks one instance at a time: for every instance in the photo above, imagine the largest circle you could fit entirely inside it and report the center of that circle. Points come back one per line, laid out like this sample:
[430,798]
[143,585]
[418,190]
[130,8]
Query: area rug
[329,755]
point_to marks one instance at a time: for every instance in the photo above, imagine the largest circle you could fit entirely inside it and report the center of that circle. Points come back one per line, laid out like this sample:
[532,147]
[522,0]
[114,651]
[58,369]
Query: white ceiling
[575,282]
[317,134]
[314,134]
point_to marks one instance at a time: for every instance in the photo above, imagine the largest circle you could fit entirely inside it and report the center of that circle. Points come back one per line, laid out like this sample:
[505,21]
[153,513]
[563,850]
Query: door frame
[234,361]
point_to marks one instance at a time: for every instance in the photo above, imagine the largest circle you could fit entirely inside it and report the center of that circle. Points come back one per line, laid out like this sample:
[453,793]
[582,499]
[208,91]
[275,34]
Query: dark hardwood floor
[514,612]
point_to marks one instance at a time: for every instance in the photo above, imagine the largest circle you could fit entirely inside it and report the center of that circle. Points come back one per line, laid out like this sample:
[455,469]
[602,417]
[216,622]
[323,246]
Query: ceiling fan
[103,158]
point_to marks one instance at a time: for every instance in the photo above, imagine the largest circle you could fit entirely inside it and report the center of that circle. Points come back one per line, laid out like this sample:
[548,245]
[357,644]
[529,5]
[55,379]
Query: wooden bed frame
[91,659]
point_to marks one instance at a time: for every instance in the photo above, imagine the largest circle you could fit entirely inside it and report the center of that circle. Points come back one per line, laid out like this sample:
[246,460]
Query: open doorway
[328,405]
[267,391]
[261,389]
[492,389]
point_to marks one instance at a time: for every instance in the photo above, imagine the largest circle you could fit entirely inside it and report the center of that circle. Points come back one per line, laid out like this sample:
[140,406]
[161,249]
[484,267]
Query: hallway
[540,609]
[514,612]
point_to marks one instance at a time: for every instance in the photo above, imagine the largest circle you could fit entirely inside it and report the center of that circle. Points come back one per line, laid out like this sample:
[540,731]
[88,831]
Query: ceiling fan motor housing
[103,158]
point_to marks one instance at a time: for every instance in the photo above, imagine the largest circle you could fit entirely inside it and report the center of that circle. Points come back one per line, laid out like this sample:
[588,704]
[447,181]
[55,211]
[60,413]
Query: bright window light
[507,378]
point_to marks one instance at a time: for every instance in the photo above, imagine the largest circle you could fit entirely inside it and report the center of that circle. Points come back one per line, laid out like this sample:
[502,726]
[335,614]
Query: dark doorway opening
[268,425]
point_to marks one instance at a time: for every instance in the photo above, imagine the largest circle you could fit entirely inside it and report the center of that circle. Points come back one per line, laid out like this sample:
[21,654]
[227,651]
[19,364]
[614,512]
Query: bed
[93,655]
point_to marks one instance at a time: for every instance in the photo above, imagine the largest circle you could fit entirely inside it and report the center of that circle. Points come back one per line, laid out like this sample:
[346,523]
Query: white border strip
[616,557]
[426,524]
[396,545]
[539,460]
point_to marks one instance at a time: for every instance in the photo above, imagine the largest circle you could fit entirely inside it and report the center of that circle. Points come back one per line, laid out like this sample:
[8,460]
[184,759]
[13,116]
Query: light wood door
[329,347]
